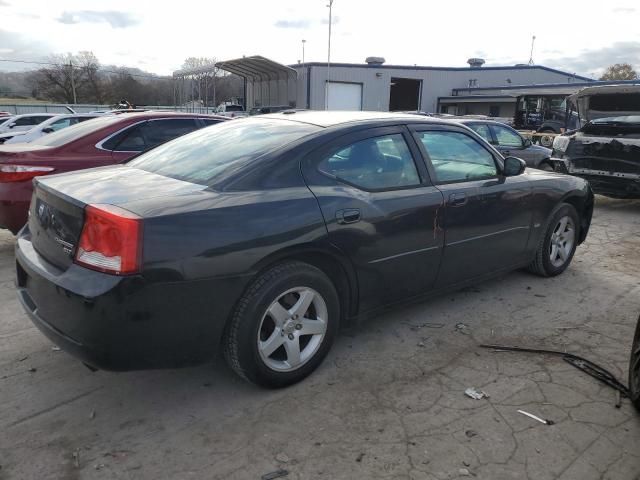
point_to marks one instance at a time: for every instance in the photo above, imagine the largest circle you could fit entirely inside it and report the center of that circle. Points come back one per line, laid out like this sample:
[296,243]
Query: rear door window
[146,135]
[156,132]
[378,163]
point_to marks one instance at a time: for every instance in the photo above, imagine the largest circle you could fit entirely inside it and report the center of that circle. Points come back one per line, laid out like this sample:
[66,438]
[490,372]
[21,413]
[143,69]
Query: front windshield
[207,155]
[69,134]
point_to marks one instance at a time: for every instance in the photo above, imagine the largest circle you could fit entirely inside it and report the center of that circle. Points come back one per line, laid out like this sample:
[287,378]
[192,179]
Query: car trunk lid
[57,211]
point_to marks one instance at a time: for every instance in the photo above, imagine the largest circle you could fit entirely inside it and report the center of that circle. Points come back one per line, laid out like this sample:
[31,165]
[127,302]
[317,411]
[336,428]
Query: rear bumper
[122,323]
[15,198]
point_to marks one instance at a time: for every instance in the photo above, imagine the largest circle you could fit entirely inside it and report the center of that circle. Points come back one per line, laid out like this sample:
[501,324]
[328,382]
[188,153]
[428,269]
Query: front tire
[634,368]
[283,326]
[558,244]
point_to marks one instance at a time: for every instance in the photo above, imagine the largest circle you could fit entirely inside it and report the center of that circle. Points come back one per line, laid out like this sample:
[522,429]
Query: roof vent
[375,60]
[475,62]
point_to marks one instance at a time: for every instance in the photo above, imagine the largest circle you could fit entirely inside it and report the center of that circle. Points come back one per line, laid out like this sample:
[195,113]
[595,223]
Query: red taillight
[19,173]
[111,240]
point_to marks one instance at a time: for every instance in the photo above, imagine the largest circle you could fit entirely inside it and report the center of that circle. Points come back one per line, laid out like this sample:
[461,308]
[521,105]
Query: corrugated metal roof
[258,68]
[443,69]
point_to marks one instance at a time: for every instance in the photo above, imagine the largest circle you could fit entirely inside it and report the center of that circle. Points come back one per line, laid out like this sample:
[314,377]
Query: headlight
[560,143]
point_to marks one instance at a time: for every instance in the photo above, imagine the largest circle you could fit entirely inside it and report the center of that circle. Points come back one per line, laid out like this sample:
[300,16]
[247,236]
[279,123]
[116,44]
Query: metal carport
[266,82]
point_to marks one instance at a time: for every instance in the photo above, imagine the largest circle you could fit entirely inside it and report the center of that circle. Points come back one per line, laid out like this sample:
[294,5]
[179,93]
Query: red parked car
[94,143]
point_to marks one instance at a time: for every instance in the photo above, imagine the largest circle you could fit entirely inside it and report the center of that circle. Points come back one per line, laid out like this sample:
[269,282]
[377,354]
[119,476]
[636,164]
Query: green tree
[619,71]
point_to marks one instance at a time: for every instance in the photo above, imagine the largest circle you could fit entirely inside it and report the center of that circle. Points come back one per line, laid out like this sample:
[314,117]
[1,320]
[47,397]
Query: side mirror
[514,166]
[11,125]
[48,130]
[527,143]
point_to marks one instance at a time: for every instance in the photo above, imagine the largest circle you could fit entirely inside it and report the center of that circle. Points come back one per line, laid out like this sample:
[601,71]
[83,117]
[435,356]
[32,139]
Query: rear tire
[634,369]
[283,326]
[558,243]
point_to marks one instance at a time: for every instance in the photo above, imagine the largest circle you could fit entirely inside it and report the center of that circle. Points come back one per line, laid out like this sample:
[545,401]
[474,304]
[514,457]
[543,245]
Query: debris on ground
[92,415]
[476,394]
[587,366]
[471,433]
[464,472]
[22,359]
[359,457]
[32,370]
[282,458]
[99,466]
[55,349]
[273,475]
[541,420]
[462,328]
[415,327]
[76,458]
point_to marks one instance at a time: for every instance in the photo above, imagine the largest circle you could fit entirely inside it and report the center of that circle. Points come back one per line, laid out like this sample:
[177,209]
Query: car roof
[39,114]
[164,114]
[476,120]
[333,118]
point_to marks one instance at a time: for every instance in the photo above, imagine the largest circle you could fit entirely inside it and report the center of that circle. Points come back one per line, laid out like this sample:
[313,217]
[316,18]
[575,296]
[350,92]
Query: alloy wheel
[562,240]
[292,329]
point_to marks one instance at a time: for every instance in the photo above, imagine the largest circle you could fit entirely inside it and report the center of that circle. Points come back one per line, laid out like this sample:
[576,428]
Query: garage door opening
[405,94]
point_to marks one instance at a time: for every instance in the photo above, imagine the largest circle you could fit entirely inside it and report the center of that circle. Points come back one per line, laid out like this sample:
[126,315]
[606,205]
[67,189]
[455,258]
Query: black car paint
[202,247]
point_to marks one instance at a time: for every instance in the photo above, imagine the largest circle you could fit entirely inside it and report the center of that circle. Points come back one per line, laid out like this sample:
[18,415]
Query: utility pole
[533,41]
[73,82]
[326,95]
[303,42]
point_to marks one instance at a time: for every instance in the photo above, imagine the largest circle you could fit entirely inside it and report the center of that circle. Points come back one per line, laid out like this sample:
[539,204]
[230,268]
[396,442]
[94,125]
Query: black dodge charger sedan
[260,236]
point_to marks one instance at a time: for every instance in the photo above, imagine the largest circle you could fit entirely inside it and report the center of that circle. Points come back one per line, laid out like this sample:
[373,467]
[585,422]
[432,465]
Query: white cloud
[158,36]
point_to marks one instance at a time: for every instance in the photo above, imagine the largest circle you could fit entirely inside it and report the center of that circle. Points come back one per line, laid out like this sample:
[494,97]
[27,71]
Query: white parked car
[27,121]
[53,124]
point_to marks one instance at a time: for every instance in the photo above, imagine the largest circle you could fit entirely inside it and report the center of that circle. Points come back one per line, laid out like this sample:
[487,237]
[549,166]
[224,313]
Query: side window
[482,130]
[457,157]
[208,121]
[156,132]
[60,124]
[128,140]
[507,137]
[378,163]
[28,121]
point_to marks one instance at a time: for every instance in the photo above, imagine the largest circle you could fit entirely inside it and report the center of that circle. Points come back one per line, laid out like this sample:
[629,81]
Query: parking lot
[388,402]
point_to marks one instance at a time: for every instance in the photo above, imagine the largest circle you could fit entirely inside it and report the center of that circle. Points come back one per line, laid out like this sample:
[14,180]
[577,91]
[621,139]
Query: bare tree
[92,83]
[60,80]
[619,71]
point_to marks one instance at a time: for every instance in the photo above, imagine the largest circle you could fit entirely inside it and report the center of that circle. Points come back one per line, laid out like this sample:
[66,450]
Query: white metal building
[376,86]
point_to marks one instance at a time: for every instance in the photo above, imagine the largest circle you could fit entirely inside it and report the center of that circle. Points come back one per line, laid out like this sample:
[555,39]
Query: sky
[156,36]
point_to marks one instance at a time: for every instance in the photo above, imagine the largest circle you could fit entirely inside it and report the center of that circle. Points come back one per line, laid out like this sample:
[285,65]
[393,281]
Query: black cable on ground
[587,366]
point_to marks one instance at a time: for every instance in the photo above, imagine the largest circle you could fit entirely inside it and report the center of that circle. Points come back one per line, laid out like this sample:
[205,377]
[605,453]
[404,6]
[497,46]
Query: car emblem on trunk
[66,246]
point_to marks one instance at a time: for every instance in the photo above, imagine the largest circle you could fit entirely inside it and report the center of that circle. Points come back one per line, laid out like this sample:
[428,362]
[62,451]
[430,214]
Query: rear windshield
[69,134]
[205,156]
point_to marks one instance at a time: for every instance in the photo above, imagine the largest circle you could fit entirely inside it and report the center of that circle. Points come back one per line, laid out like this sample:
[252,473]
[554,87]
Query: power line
[76,66]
